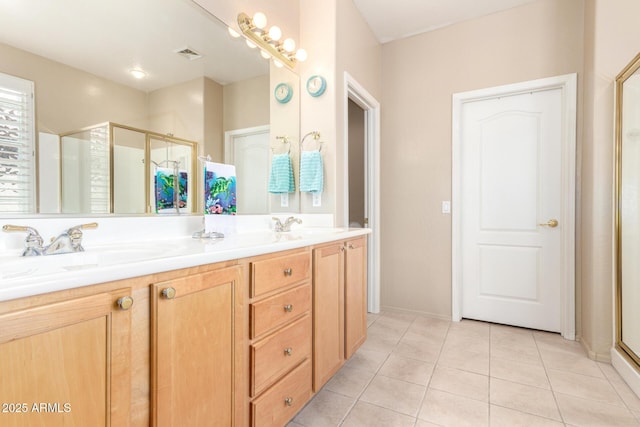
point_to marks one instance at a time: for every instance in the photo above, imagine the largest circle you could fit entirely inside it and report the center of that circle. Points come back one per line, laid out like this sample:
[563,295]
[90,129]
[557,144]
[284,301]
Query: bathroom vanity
[242,331]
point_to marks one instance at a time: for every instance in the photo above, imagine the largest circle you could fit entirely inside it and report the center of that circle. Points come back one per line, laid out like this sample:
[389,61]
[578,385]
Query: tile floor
[416,371]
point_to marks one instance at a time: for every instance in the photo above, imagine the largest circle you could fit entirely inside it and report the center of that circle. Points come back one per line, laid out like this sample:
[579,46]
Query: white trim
[230,134]
[358,94]
[568,84]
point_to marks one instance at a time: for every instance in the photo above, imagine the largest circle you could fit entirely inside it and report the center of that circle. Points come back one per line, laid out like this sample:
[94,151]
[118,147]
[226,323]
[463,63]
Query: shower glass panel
[85,171]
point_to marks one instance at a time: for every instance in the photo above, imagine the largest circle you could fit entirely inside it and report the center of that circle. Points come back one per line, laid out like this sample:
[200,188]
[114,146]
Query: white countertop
[27,276]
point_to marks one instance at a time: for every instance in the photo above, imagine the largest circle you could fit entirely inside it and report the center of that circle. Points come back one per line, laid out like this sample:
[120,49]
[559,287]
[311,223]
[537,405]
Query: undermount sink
[15,267]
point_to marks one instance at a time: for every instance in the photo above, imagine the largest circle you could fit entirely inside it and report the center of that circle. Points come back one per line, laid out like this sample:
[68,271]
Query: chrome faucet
[279,226]
[67,242]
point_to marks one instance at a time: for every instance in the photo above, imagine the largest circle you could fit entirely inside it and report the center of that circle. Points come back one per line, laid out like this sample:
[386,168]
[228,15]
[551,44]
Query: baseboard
[414,312]
[627,371]
[598,357]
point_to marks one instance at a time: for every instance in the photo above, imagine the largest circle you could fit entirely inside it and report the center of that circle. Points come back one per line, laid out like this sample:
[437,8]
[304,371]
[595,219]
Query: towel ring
[285,140]
[316,136]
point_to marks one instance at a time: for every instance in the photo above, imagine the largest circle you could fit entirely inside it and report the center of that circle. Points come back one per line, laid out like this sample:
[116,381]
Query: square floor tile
[465,361]
[462,383]
[325,409]
[505,417]
[409,370]
[519,372]
[399,396]
[584,412]
[584,387]
[524,398]
[448,409]
[349,381]
[367,415]
[420,348]
[570,362]
[624,391]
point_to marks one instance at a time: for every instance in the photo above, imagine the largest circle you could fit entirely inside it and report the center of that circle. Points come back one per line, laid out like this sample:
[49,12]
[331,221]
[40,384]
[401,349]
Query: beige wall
[213,119]
[68,99]
[359,54]
[612,41]
[421,73]
[337,40]
[246,103]
[179,110]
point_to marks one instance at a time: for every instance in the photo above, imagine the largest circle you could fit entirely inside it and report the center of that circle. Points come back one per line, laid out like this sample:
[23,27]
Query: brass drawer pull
[125,303]
[288,272]
[288,401]
[288,308]
[288,351]
[169,293]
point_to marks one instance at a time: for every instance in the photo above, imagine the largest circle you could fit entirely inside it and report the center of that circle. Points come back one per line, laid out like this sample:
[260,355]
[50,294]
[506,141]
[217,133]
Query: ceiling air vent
[189,53]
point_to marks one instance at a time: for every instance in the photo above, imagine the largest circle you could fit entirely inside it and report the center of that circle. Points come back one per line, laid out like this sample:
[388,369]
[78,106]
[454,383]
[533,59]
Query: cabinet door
[194,325]
[66,363]
[328,312]
[355,295]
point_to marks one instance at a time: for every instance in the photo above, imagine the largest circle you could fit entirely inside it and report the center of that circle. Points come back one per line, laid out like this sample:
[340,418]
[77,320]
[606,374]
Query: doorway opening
[361,201]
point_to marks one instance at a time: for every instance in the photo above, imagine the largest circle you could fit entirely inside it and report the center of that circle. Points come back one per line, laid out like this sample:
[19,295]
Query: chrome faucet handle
[33,242]
[278,226]
[75,234]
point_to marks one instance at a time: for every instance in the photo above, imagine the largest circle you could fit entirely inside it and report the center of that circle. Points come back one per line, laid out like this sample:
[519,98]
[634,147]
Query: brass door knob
[552,223]
[125,303]
[169,293]
[288,308]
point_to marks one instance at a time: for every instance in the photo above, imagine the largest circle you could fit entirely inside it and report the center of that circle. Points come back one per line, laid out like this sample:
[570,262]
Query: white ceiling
[109,37]
[397,19]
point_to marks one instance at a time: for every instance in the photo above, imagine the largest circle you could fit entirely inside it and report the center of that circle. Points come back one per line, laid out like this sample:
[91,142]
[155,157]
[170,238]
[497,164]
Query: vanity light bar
[262,39]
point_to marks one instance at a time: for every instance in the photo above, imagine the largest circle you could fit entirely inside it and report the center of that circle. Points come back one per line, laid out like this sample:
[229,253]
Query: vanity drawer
[279,309]
[273,356]
[273,273]
[282,401]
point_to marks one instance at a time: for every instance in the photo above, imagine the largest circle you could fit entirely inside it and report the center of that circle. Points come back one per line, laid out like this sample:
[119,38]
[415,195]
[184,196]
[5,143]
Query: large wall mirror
[197,84]
[628,211]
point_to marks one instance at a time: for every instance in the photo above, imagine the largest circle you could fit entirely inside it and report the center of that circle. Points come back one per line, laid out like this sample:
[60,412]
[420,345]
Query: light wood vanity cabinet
[237,343]
[339,305]
[195,325]
[66,362]
[280,344]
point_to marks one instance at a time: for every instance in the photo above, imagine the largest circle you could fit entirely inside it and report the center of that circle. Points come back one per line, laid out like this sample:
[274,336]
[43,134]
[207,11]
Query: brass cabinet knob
[288,272]
[169,293]
[288,351]
[288,308]
[125,303]
[288,401]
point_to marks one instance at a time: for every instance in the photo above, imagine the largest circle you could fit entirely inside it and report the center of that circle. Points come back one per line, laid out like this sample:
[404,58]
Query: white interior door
[512,209]
[248,150]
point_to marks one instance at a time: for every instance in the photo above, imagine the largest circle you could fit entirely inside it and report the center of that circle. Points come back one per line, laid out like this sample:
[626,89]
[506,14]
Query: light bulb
[264,54]
[289,45]
[275,33]
[233,33]
[301,55]
[277,63]
[138,73]
[251,44]
[260,20]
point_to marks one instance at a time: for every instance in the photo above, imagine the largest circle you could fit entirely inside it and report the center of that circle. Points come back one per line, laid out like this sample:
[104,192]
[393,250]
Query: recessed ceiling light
[138,73]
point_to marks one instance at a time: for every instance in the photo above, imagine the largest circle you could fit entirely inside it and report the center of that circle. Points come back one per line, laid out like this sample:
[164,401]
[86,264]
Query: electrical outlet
[317,199]
[446,206]
[284,200]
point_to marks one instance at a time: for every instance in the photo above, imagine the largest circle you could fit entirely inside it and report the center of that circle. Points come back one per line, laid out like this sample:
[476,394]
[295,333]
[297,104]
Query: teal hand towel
[311,175]
[281,177]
